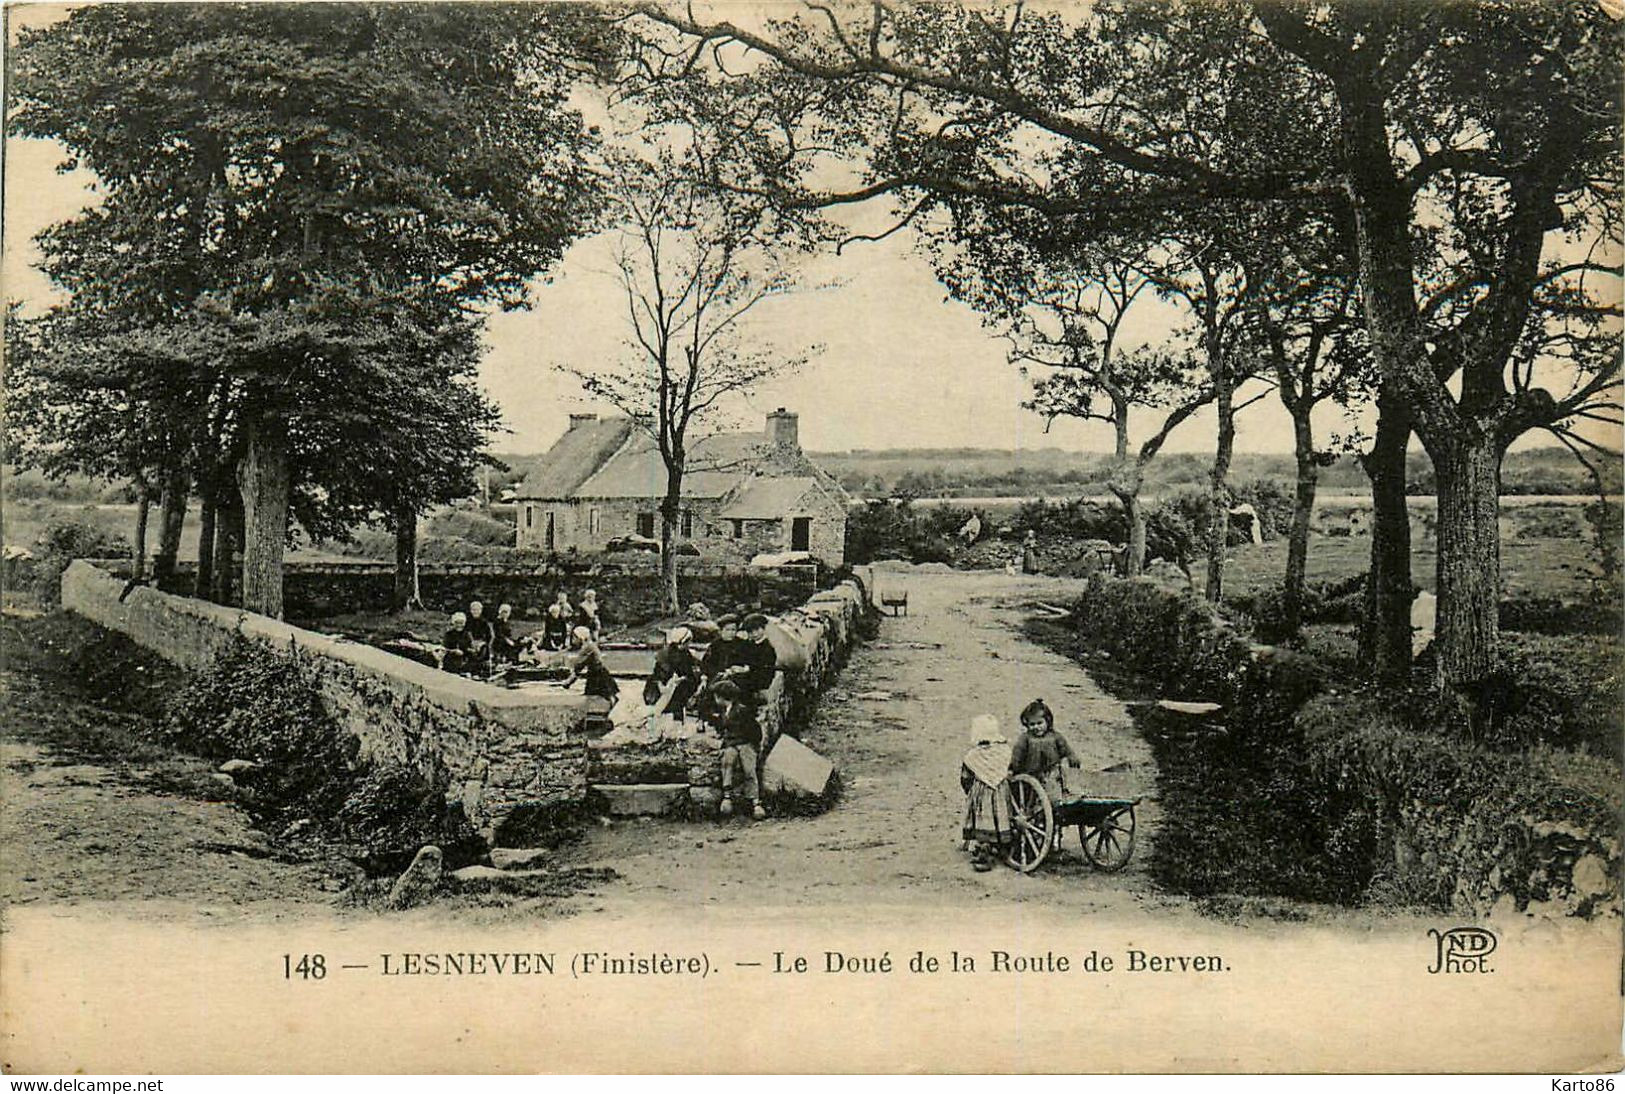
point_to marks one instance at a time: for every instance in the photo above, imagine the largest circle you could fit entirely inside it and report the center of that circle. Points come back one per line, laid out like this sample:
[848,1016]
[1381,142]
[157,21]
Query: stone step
[643,799]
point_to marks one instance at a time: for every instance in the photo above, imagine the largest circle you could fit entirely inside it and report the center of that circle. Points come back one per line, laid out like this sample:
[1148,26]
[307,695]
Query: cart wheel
[1033,821]
[1110,844]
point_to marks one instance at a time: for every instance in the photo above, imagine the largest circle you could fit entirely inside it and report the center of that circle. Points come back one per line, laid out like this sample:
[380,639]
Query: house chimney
[782,430]
[582,419]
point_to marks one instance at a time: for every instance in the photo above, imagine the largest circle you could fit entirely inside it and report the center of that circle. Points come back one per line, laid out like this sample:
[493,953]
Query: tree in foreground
[1061,304]
[292,205]
[694,261]
[1474,150]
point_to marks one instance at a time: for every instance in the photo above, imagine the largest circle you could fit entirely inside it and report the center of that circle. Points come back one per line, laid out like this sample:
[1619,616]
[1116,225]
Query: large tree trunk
[1385,630]
[1303,510]
[1469,564]
[207,511]
[405,592]
[670,509]
[264,478]
[1218,489]
[226,571]
[171,519]
[143,510]
[213,490]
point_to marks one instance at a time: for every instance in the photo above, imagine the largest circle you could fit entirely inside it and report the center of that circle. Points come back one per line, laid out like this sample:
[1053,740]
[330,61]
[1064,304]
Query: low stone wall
[625,585]
[497,749]
[500,749]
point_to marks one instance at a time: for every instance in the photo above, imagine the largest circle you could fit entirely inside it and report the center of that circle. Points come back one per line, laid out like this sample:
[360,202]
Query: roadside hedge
[1316,790]
[1455,825]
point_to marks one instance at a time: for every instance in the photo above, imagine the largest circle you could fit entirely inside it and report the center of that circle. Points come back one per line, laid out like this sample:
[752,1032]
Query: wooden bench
[895,601]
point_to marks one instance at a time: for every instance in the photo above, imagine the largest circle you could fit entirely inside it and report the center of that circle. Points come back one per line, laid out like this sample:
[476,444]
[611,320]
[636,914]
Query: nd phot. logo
[1462,949]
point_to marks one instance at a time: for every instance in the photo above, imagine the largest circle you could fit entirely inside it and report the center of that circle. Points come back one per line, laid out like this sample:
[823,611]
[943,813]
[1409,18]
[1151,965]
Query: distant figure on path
[971,530]
[1029,554]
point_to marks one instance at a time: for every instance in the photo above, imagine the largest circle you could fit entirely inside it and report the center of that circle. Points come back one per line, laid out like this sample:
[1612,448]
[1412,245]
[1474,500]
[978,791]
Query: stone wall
[498,749]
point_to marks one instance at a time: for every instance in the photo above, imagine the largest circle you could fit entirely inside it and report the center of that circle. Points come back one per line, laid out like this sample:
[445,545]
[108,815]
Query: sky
[896,364]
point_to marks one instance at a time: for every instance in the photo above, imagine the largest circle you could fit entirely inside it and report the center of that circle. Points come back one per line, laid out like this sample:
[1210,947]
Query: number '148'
[310,966]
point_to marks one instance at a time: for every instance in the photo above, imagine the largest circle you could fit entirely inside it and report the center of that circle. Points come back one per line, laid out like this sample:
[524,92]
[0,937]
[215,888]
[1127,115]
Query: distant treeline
[978,472]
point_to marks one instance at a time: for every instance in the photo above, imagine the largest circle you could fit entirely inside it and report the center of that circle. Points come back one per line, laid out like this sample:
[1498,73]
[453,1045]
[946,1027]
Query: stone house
[743,493]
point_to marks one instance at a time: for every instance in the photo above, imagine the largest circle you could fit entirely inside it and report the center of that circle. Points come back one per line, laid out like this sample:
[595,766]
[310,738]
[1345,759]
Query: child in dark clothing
[1039,750]
[741,736]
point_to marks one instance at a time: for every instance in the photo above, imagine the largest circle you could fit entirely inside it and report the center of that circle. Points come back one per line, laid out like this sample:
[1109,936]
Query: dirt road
[894,837]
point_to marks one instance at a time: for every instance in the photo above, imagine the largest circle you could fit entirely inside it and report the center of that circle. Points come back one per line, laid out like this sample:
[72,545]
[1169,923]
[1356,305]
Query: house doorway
[800,533]
[548,535]
[646,525]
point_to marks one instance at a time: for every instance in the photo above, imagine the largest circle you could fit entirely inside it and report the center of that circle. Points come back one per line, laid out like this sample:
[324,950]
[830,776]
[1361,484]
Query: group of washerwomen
[725,688]
[475,642]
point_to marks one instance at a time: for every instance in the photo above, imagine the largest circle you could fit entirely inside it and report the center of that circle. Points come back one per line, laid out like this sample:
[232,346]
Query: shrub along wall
[1457,825]
[493,749]
[1348,795]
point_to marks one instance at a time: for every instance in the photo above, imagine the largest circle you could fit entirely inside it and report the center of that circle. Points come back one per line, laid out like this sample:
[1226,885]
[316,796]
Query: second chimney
[783,430]
[582,419]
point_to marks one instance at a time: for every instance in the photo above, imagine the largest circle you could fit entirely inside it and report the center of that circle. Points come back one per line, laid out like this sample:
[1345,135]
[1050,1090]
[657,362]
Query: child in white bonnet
[987,808]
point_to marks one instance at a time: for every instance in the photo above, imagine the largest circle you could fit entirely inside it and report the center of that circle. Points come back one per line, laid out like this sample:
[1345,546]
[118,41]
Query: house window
[739,529]
[593,523]
[646,525]
[688,523]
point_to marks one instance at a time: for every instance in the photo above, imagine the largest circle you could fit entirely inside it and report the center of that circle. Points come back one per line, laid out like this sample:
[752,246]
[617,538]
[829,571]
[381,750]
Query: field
[1054,473]
[1546,557]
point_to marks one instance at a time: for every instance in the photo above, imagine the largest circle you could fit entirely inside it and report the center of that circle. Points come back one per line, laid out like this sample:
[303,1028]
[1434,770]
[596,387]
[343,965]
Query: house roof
[574,458]
[768,497]
[715,466]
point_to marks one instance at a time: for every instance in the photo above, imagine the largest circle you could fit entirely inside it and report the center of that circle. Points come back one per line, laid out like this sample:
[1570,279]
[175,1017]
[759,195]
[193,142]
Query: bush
[255,704]
[473,527]
[892,529]
[1173,637]
[1551,615]
[260,704]
[1461,826]
[1076,519]
[391,811]
[60,543]
[1367,795]
[1607,520]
